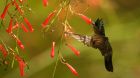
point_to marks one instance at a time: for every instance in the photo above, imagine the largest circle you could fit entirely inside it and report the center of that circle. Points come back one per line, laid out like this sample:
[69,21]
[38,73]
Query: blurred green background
[122,21]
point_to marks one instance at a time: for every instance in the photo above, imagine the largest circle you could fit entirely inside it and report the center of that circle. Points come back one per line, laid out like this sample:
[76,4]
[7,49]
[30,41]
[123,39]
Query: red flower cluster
[11,26]
[9,29]
[15,23]
[7,7]
[68,65]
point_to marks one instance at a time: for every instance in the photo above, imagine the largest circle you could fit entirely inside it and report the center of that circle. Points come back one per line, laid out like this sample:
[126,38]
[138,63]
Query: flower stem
[56,64]
[59,48]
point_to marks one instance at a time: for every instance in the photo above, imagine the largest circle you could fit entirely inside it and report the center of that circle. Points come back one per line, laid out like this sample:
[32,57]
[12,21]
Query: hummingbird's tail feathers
[108,63]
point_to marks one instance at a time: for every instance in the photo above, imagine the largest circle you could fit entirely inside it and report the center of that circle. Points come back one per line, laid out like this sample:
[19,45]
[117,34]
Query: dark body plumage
[98,41]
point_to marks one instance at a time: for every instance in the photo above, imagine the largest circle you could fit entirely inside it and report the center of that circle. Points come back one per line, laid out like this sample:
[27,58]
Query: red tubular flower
[89,21]
[21,65]
[45,2]
[3,50]
[9,29]
[48,19]
[17,6]
[52,51]
[20,44]
[5,11]
[72,69]
[76,52]
[15,26]
[28,24]
[24,28]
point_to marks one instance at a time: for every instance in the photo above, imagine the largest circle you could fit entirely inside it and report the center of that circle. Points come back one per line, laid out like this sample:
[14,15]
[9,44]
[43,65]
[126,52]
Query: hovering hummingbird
[98,41]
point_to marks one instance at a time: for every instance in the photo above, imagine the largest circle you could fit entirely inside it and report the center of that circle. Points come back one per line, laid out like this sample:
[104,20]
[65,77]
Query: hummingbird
[98,41]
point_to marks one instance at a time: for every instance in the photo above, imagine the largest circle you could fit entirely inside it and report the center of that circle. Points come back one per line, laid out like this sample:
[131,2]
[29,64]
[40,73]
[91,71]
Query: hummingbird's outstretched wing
[98,27]
[84,39]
